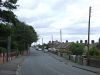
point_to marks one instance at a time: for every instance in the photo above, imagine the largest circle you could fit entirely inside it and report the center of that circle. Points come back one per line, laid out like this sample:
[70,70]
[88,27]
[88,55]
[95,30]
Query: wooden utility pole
[52,41]
[42,44]
[42,41]
[89,32]
[52,37]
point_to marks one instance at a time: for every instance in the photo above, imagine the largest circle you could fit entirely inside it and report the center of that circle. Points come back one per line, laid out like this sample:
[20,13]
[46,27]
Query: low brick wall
[2,59]
[95,62]
[81,60]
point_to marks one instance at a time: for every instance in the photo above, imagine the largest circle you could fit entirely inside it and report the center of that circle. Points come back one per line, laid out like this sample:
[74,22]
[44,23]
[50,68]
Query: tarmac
[76,65]
[12,67]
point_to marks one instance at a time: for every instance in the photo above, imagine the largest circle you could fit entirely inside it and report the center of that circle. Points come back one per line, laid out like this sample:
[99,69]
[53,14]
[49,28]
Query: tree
[94,51]
[6,15]
[4,30]
[46,46]
[76,48]
[24,35]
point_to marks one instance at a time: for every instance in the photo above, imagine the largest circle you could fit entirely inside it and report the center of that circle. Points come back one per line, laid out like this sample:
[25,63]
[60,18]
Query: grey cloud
[58,6]
[45,24]
[25,19]
[35,18]
[61,5]
[81,30]
[49,33]
[77,29]
[82,21]
[57,11]
[27,5]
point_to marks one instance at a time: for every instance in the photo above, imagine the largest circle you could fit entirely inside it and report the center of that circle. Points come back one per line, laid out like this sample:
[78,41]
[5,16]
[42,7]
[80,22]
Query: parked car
[39,49]
[45,50]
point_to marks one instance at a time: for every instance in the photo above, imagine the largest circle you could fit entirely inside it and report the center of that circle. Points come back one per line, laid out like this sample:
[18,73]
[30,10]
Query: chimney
[66,41]
[81,41]
[77,42]
[86,42]
[99,41]
[92,41]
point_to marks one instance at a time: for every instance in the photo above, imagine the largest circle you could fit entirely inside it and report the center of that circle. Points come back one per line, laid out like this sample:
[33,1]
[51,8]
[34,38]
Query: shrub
[94,51]
[76,48]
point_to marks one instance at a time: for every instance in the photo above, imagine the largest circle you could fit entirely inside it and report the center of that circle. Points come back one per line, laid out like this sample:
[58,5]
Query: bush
[94,52]
[63,51]
[76,48]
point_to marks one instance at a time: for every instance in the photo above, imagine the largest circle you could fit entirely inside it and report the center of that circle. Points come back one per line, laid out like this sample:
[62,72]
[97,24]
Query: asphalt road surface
[40,63]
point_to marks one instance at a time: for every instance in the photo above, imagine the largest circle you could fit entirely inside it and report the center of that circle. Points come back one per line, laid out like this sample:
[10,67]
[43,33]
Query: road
[39,63]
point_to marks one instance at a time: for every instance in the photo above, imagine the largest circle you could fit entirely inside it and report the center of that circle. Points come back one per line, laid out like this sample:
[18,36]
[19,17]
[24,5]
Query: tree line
[14,34]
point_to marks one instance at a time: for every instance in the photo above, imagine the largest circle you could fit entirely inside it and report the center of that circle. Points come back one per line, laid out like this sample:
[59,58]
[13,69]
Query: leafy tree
[7,15]
[4,30]
[7,18]
[76,48]
[24,35]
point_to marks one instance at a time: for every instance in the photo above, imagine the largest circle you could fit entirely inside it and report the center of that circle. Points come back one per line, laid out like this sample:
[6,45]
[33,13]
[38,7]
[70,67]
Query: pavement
[11,67]
[83,67]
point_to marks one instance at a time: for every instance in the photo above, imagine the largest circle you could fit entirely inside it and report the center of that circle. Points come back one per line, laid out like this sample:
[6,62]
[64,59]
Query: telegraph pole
[42,44]
[52,37]
[89,33]
[52,41]
[42,41]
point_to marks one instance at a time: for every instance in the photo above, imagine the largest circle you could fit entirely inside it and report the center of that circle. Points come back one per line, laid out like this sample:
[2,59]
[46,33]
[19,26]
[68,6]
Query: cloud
[27,4]
[71,16]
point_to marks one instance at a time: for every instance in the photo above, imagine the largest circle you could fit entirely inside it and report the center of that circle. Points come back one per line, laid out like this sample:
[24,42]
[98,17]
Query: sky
[48,17]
